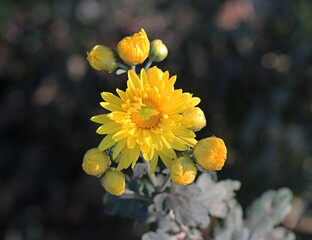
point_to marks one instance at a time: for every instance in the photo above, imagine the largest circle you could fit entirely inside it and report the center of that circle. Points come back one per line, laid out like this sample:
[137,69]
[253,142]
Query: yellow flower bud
[114,182]
[210,153]
[183,171]
[194,118]
[159,51]
[95,162]
[102,58]
[134,49]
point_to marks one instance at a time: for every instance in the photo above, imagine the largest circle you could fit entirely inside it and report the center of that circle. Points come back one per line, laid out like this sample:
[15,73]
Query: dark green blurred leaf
[132,208]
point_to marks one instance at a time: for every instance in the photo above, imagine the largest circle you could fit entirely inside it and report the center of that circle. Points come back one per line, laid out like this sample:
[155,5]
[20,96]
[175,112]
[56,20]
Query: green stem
[133,67]
[148,64]
[123,66]
[129,194]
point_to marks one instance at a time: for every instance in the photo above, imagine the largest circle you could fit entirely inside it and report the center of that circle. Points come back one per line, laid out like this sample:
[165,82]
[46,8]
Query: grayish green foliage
[267,212]
[139,170]
[263,216]
[158,235]
[183,201]
[187,209]
[233,225]
[216,195]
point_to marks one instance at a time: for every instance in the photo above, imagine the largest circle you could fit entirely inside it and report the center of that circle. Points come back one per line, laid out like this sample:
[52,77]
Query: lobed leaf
[268,211]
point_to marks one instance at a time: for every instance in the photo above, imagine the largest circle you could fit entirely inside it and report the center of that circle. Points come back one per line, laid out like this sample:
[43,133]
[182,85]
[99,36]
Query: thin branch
[148,64]
[152,176]
[164,184]
[123,66]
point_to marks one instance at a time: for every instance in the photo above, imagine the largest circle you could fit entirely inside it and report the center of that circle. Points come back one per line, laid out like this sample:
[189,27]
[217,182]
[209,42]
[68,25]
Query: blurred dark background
[248,60]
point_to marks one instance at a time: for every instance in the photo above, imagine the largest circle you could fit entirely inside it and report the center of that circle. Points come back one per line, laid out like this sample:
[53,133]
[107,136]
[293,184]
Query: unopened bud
[210,153]
[195,118]
[114,182]
[95,162]
[102,58]
[134,49]
[183,170]
[158,51]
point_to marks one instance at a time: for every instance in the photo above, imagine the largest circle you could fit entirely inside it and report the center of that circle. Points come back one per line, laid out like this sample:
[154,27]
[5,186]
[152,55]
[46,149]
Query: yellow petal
[108,128]
[183,132]
[189,141]
[166,160]
[147,137]
[124,161]
[106,143]
[135,79]
[179,145]
[177,102]
[119,146]
[148,155]
[169,152]
[117,116]
[134,155]
[157,143]
[144,78]
[144,148]
[194,101]
[122,94]
[109,97]
[128,156]
[131,142]
[165,142]
[102,118]
[111,106]
[121,134]
[153,163]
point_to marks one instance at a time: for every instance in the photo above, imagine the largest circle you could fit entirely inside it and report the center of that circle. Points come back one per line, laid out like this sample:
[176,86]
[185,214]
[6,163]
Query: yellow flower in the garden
[183,171]
[95,162]
[146,119]
[159,50]
[102,58]
[114,182]
[195,118]
[210,153]
[134,49]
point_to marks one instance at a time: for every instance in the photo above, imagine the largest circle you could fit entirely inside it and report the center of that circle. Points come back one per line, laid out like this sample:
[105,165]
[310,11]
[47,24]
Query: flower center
[147,116]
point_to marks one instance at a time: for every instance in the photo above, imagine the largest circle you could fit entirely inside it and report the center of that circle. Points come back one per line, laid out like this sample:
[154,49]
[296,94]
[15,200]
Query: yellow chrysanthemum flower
[210,153]
[183,171]
[146,118]
[95,162]
[134,49]
[102,58]
[114,182]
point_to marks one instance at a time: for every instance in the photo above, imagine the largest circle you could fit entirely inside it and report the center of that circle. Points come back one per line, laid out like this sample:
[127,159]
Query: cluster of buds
[209,153]
[132,50]
[97,163]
